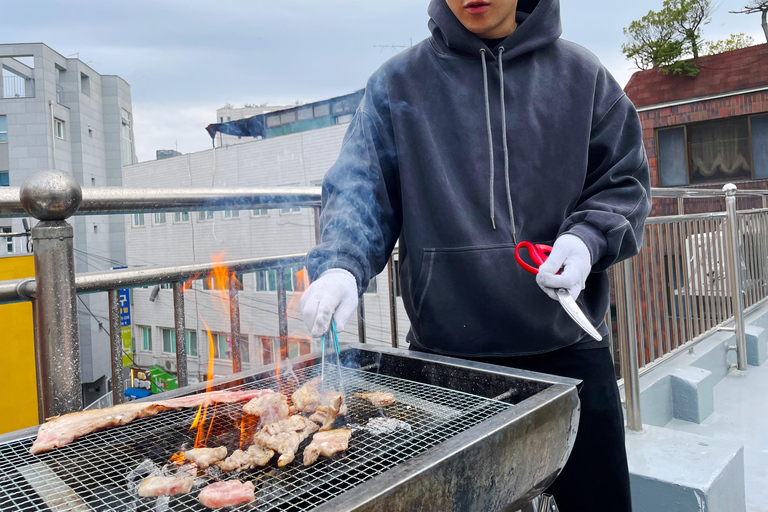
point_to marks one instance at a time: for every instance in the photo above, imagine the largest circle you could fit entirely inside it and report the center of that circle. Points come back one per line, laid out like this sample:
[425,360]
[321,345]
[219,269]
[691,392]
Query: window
[266,280]
[8,242]
[58,128]
[3,129]
[222,346]
[158,218]
[138,219]
[191,343]
[4,181]
[245,355]
[231,214]
[288,117]
[146,338]
[262,212]
[323,110]
[346,118]
[229,119]
[126,137]
[181,217]
[716,151]
[268,349]
[206,215]
[169,341]
[85,84]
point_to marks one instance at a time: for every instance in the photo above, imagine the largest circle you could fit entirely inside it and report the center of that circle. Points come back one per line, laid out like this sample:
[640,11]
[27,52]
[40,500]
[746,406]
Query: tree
[653,41]
[687,17]
[735,42]
[754,6]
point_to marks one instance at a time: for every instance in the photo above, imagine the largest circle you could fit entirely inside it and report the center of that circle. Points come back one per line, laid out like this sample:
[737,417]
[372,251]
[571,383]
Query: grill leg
[542,503]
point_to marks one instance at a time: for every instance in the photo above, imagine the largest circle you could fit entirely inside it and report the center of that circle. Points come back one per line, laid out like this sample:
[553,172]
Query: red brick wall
[737,105]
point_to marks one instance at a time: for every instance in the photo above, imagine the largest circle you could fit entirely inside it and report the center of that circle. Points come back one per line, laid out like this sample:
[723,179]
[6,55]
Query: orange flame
[178,458]
[189,282]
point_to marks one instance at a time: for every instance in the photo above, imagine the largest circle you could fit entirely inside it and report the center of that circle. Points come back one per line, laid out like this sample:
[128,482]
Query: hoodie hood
[538,26]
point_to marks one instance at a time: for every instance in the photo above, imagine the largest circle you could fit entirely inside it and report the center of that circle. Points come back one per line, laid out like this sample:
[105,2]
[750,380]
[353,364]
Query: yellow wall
[17,352]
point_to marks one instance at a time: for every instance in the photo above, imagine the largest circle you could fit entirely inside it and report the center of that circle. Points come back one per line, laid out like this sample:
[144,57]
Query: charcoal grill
[481,437]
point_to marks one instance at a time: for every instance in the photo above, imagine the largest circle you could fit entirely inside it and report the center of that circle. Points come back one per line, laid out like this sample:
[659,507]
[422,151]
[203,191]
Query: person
[493,131]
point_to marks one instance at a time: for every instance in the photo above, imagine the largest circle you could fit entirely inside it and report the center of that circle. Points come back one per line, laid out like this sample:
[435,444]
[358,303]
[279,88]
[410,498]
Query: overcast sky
[186,58]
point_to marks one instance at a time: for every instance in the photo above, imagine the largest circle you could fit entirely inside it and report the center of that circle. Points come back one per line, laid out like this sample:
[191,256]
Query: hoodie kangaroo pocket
[479,301]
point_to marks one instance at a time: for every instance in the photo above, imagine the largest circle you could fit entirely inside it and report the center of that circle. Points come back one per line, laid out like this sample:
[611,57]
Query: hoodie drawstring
[490,135]
[503,137]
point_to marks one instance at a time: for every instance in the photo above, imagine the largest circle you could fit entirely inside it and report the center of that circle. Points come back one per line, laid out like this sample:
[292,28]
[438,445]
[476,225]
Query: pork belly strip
[204,457]
[378,398]
[239,460]
[165,486]
[62,430]
[285,436]
[228,493]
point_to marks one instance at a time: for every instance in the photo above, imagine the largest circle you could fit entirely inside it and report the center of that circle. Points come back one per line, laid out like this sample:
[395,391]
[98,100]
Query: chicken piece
[165,486]
[270,408]
[239,460]
[326,444]
[62,430]
[225,494]
[378,398]
[307,397]
[204,457]
[326,414]
[285,436]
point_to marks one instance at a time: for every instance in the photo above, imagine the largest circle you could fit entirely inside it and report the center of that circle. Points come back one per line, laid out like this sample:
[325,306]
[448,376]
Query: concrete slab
[681,472]
[757,345]
[692,394]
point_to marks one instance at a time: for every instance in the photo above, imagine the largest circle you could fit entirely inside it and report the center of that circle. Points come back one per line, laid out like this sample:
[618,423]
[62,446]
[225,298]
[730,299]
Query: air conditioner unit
[170,365]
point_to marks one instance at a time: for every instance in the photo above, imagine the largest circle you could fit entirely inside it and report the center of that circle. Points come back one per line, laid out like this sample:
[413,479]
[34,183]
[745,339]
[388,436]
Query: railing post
[680,206]
[282,314]
[628,353]
[116,347]
[180,331]
[234,322]
[734,274]
[392,301]
[51,197]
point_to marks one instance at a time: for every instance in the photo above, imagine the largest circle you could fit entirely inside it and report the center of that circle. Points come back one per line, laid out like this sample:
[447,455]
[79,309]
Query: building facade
[299,159]
[707,130]
[58,112]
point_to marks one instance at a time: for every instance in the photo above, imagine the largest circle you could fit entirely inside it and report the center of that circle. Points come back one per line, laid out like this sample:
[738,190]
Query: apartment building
[299,159]
[58,112]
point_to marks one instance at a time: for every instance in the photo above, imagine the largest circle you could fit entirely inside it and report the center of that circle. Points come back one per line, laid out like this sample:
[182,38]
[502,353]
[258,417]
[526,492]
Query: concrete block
[757,345]
[678,471]
[656,401]
[693,396]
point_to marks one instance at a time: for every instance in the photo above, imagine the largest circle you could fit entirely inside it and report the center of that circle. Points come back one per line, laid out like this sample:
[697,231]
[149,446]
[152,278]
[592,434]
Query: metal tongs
[326,339]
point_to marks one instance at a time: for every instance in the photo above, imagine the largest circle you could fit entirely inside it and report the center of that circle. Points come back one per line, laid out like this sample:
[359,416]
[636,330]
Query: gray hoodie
[462,153]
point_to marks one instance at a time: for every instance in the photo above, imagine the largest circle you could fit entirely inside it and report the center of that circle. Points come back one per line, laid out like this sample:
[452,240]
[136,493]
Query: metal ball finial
[51,195]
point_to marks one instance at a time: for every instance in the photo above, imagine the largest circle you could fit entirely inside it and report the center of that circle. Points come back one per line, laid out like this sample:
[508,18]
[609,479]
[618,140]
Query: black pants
[595,478]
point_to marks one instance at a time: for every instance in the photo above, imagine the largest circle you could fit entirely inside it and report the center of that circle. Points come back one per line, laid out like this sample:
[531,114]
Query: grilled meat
[270,408]
[326,414]
[378,398]
[326,444]
[285,436]
[204,457]
[307,397]
[62,430]
[239,460]
[165,486]
[225,494]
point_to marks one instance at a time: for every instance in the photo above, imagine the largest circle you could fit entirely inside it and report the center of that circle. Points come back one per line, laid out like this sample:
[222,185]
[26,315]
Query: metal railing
[18,87]
[695,274]
[51,197]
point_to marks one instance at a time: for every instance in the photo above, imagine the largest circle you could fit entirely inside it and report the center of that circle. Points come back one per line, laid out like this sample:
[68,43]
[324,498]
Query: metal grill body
[479,437]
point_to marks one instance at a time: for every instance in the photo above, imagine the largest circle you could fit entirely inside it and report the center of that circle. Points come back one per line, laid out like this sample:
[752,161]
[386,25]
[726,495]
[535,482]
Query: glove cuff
[340,272]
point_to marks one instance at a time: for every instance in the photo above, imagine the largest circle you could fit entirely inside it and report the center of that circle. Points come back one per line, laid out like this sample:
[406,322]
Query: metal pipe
[734,275]
[391,283]
[51,197]
[180,331]
[361,319]
[629,360]
[116,346]
[112,200]
[91,282]
[680,206]
[234,322]
[316,215]
[282,314]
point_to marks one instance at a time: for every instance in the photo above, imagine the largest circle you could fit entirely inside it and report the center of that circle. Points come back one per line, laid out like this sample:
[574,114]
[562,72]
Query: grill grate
[100,472]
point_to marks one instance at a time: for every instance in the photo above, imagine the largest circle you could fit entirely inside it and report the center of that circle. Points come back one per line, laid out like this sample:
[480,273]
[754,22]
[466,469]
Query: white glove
[334,293]
[572,256]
